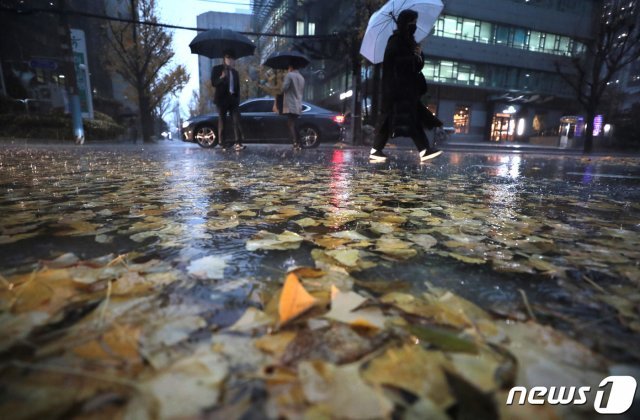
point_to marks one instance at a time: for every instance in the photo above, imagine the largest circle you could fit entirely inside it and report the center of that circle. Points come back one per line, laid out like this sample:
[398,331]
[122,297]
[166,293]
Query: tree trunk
[146,121]
[356,116]
[588,135]
[375,95]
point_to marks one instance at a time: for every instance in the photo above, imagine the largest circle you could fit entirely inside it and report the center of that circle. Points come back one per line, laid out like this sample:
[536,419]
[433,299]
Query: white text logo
[614,399]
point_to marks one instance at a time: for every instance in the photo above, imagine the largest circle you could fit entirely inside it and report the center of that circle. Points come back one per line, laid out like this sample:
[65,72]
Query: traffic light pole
[70,74]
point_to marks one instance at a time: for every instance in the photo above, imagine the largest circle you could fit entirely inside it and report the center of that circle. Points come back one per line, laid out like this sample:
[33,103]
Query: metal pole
[70,71]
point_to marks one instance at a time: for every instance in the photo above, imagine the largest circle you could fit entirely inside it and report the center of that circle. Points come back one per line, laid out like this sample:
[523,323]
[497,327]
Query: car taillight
[339,119]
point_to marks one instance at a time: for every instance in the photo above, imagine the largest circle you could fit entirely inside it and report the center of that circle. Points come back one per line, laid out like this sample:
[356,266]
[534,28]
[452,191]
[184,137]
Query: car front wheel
[309,136]
[206,136]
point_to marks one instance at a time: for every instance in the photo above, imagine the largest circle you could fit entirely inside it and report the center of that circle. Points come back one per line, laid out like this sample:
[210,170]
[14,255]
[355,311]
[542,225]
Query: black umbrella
[214,42]
[281,60]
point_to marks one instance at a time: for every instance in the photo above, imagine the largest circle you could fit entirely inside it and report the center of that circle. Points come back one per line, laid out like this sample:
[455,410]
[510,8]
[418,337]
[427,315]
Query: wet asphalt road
[585,209]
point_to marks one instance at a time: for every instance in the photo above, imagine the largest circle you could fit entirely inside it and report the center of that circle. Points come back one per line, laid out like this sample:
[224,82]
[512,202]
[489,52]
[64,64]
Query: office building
[491,66]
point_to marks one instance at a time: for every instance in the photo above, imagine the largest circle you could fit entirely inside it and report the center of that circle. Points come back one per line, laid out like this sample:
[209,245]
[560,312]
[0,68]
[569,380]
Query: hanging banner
[79,48]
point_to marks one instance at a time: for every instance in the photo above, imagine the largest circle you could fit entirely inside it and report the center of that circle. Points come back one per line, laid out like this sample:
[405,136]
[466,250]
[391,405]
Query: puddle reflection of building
[503,196]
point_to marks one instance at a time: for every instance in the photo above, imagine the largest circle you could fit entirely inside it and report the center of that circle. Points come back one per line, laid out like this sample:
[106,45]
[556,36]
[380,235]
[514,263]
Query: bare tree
[201,104]
[615,45]
[141,54]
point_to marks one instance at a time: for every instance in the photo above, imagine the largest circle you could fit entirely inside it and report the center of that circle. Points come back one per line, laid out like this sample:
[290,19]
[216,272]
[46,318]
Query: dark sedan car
[261,125]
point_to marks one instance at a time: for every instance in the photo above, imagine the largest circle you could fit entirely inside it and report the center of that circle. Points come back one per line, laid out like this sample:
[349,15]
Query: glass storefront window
[502,127]
[461,119]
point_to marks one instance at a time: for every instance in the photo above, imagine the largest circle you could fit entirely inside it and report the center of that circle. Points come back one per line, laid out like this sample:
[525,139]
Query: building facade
[32,61]
[491,66]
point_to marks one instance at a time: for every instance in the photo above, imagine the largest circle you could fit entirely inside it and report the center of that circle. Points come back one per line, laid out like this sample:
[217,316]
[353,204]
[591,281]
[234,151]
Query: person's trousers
[383,130]
[232,109]
[291,124]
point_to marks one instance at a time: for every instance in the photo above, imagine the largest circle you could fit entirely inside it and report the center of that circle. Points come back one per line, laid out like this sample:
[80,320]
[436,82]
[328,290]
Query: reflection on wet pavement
[560,233]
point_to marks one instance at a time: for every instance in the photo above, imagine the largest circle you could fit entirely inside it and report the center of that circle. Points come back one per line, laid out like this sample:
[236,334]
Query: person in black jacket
[226,81]
[403,84]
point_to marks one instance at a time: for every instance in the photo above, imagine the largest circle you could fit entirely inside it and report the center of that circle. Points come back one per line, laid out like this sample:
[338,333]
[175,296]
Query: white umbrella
[382,24]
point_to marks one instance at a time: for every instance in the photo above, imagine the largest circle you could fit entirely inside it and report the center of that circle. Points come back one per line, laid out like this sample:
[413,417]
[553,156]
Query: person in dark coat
[403,84]
[226,81]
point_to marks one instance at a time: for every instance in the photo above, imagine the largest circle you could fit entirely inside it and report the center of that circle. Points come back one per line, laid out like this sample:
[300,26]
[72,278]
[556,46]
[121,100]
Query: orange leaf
[294,299]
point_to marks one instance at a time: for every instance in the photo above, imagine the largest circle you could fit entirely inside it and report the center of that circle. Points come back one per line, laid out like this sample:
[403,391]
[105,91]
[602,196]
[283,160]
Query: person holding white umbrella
[403,84]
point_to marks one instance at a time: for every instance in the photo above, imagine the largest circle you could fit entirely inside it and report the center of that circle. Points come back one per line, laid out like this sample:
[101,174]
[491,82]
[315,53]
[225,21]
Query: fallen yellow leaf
[414,369]
[294,299]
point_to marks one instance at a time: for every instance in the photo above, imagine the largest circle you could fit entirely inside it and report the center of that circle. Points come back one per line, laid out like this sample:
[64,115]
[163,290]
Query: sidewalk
[486,146]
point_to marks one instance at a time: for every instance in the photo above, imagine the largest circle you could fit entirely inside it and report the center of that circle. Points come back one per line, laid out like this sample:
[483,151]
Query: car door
[250,112]
[272,127]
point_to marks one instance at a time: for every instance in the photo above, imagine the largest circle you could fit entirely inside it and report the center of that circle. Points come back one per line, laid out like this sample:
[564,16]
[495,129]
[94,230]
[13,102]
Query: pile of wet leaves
[106,339]
[136,287]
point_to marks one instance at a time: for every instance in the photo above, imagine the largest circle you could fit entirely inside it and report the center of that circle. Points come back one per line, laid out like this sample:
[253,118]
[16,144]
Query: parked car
[261,125]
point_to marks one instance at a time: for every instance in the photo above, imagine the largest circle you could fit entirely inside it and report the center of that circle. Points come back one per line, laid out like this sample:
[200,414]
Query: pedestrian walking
[403,84]
[292,89]
[226,81]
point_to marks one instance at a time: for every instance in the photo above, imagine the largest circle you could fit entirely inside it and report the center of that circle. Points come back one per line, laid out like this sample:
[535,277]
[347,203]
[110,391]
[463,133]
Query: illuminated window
[455,27]
[535,40]
[461,119]
[549,43]
[299,27]
[312,28]
[486,32]
[468,29]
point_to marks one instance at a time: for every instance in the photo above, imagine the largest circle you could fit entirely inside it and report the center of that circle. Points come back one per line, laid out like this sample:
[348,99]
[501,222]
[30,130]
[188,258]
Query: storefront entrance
[502,127]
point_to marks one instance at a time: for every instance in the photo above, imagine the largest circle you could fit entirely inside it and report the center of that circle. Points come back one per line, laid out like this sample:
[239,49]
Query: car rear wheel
[206,136]
[309,136]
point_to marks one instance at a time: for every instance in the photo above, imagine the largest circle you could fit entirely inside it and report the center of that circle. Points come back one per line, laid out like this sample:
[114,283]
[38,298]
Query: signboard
[79,48]
[597,125]
[43,63]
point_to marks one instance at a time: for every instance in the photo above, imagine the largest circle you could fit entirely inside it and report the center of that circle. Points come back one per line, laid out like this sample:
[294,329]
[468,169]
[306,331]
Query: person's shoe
[239,147]
[428,154]
[377,156]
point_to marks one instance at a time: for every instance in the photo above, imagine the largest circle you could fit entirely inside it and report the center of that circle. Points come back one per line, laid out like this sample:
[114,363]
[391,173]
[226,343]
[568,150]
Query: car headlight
[185,124]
